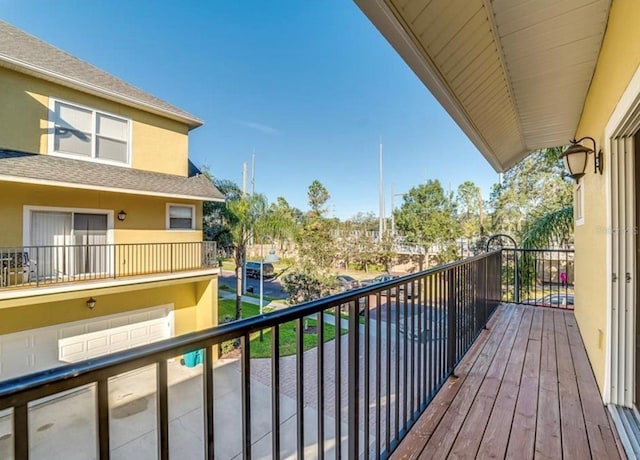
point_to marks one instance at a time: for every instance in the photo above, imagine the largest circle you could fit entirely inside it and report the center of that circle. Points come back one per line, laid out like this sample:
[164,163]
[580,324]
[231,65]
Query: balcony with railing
[427,365]
[39,266]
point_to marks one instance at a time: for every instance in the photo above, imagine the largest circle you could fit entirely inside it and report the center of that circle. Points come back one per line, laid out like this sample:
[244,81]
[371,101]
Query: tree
[318,197]
[533,188]
[316,242]
[469,201]
[287,221]
[552,229]
[427,217]
[213,213]
[242,217]
[305,285]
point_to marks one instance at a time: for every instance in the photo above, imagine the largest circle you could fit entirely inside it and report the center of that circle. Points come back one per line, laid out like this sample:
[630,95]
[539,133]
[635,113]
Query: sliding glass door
[69,244]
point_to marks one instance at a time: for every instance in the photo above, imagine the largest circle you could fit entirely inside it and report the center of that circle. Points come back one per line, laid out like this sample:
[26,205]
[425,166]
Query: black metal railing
[542,277]
[26,266]
[396,347]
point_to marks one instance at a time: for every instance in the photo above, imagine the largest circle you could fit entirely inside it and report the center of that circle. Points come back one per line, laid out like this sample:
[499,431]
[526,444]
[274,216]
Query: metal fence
[45,265]
[542,277]
[397,343]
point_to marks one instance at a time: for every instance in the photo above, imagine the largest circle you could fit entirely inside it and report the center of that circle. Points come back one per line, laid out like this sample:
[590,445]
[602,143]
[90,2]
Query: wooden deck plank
[548,439]
[496,435]
[601,438]
[468,440]
[523,431]
[445,435]
[413,445]
[547,406]
[574,434]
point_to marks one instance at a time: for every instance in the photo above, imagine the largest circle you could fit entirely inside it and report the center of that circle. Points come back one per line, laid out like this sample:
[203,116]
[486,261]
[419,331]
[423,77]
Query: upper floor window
[84,132]
[181,217]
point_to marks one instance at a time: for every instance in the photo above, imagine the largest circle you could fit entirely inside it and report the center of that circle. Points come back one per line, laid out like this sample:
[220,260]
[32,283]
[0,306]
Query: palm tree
[552,229]
[250,218]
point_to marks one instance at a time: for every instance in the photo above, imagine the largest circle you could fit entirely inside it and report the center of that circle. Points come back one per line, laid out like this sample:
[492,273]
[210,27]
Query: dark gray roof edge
[52,170]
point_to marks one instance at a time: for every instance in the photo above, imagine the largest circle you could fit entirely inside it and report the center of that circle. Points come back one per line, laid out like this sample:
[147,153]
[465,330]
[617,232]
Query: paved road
[272,287]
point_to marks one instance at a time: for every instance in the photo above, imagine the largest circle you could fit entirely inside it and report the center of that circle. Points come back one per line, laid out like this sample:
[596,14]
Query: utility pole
[393,219]
[244,253]
[253,172]
[381,198]
[244,179]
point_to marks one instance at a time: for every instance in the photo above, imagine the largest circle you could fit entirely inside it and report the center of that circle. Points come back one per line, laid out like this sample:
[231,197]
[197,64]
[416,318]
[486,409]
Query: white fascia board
[388,25]
[20,66]
[27,180]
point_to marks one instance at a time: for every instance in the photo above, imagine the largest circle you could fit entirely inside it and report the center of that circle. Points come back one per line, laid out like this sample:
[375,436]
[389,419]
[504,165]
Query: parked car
[553,300]
[253,270]
[346,282]
[377,279]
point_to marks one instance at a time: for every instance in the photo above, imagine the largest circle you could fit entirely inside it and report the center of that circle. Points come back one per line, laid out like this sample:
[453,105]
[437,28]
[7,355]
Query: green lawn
[262,349]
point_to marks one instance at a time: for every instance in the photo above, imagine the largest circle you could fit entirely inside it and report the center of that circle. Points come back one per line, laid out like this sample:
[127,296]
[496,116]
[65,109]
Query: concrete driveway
[65,428]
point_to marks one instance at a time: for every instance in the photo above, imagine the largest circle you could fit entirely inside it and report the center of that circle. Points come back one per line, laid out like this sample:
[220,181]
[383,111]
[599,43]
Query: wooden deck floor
[524,390]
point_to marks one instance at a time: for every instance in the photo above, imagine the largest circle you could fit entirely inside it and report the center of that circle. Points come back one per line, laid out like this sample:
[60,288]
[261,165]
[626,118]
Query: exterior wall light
[122,215]
[575,158]
[91,303]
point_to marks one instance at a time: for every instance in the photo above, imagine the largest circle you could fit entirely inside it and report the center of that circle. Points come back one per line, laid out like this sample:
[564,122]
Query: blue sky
[311,86]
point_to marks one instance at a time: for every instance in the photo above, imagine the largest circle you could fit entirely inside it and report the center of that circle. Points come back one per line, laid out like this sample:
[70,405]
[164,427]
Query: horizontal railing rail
[379,355]
[541,277]
[27,266]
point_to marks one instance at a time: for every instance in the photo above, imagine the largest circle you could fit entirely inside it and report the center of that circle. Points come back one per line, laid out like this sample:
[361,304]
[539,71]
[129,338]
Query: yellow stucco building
[100,213]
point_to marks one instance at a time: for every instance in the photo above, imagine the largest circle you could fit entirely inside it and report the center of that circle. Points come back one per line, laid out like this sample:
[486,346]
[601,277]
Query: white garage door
[38,349]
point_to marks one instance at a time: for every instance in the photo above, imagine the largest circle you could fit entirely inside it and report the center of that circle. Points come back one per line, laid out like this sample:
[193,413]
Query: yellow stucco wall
[618,61]
[195,305]
[145,221]
[158,144]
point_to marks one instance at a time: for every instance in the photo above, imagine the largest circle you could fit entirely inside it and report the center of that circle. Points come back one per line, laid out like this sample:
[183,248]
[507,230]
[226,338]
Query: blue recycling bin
[193,358]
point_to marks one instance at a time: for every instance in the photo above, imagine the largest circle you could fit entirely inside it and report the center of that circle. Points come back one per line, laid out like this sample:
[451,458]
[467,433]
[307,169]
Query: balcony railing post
[37,272]
[354,378]
[451,321]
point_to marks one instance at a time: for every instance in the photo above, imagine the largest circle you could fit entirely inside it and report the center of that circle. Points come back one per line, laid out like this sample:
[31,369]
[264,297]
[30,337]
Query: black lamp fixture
[122,215]
[91,303]
[575,158]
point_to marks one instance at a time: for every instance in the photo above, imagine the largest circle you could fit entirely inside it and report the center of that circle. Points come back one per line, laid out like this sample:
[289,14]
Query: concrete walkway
[65,428]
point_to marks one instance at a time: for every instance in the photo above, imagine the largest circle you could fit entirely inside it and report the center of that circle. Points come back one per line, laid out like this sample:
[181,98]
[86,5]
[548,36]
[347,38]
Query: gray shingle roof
[28,52]
[49,169]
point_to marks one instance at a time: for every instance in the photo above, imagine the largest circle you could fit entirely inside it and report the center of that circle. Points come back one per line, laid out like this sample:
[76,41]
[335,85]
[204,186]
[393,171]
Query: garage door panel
[70,331]
[96,326]
[140,332]
[119,322]
[96,343]
[30,351]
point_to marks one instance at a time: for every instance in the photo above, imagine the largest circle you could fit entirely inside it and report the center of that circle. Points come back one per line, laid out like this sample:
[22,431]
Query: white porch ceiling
[513,74]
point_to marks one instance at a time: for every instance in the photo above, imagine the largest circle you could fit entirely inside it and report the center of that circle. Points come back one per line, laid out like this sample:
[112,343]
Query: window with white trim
[84,132]
[181,217]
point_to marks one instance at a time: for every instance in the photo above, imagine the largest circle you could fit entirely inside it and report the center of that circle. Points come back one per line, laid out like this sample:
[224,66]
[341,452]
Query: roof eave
[53,183]
[385,21]
[36,71]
